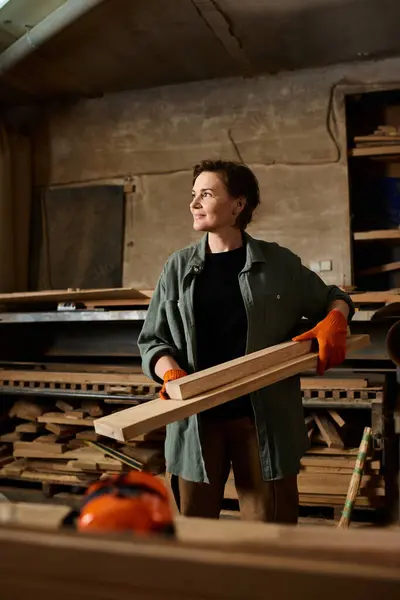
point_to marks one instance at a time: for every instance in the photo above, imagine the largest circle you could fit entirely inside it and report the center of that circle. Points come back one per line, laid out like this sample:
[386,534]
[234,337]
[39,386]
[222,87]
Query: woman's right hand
[170,375]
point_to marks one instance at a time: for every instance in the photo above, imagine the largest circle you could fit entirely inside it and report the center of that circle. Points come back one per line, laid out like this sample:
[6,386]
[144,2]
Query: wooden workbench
[208,560]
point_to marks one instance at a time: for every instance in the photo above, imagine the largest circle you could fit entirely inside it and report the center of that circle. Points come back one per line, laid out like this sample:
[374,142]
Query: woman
[226,296]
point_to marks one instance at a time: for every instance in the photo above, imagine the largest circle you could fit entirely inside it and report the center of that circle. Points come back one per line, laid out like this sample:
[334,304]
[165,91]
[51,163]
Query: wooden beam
[328,431]
[379,234]
[27,514]
[386,268]
[59,418]
[71,295]
[127,424]
[326,383]
[219,559]
[337,418]
[41,446]
[376,150]
[214,377]
[375,297]
[80,378]
[376,138]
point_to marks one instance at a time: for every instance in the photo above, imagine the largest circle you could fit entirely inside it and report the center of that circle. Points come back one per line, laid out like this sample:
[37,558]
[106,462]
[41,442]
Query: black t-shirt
[221,321]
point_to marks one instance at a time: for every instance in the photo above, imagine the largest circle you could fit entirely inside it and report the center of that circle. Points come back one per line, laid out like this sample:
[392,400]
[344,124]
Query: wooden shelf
[376,150]
[386,268]
[379,234]
[375,297]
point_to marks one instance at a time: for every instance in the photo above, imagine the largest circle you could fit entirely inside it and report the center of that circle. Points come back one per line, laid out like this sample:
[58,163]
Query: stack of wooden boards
[325,477]
[57,444]
[134,388]
[384,140]
[336,410]
[206,389]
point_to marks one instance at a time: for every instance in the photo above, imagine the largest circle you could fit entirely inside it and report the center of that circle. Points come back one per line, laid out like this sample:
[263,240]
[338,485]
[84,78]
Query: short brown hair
[239,181]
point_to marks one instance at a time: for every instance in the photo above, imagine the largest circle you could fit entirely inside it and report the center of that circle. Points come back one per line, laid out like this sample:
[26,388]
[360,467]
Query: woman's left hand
[170,375]
[331,335]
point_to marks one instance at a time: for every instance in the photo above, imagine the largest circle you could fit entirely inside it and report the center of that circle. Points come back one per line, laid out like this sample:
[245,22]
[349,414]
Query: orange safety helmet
[133,501]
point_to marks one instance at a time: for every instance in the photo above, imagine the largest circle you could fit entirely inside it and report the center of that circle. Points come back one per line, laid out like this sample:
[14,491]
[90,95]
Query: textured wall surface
[278,125]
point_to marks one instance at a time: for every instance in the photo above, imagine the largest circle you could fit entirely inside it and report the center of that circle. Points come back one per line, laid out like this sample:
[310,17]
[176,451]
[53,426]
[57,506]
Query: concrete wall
[278,125]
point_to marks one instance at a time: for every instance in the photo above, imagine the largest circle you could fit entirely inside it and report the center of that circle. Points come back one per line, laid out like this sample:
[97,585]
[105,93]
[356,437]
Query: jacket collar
[254,254]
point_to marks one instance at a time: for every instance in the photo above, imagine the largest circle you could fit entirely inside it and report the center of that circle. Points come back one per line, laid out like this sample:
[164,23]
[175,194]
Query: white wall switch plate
[325,265]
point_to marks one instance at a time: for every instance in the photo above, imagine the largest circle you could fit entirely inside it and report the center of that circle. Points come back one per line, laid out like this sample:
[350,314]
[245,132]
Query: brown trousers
[235,443]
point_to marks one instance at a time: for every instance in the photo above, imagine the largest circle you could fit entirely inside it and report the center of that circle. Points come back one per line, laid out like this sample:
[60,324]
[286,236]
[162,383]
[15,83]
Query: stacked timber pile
[384,140]
[57,444]
[336,412]
[326,473]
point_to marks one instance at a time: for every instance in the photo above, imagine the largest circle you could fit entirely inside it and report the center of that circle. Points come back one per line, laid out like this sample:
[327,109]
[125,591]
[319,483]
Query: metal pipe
[55,22]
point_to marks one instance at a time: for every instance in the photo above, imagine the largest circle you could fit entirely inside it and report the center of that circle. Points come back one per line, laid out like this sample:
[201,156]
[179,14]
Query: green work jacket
[277,292]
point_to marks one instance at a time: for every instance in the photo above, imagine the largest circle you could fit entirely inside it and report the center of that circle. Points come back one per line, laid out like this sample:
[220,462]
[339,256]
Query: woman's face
[212,207]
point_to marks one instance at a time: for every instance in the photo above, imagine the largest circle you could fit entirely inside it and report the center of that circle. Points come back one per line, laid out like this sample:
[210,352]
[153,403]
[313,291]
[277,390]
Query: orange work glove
[170,375]
[331,334]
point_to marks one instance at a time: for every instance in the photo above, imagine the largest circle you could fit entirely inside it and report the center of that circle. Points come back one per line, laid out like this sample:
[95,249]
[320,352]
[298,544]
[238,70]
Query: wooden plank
[336,500]
[58,479]
[144,454]
[214,377]
[91,304]
[33,515]
[29,427]
[388,267]
[45,447]
[330,470]
[338,484]
[64,406]
[376,138]
[378,234]
[131,422]
[336,462]
[53,417]
[328,431]
[77,378]
[26,409]
[71,295]
[10,437]
[218,563]
[86,453]
[318,383]
[71,367]
[75,414]
[87,434]
[92,407]
[341,452]
[376,150]
[337,418]
[375,297]
[137,420]
[61,430]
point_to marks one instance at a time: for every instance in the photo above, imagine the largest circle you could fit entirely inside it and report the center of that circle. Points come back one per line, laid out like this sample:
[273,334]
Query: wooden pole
[356,478]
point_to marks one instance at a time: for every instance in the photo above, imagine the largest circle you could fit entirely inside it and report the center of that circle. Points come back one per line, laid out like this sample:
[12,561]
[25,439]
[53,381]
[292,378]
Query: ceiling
[128,44]
[17,17]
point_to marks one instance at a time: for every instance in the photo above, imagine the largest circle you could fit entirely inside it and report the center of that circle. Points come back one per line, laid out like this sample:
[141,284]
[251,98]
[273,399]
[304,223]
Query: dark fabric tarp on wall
[15,207]
[77,238]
